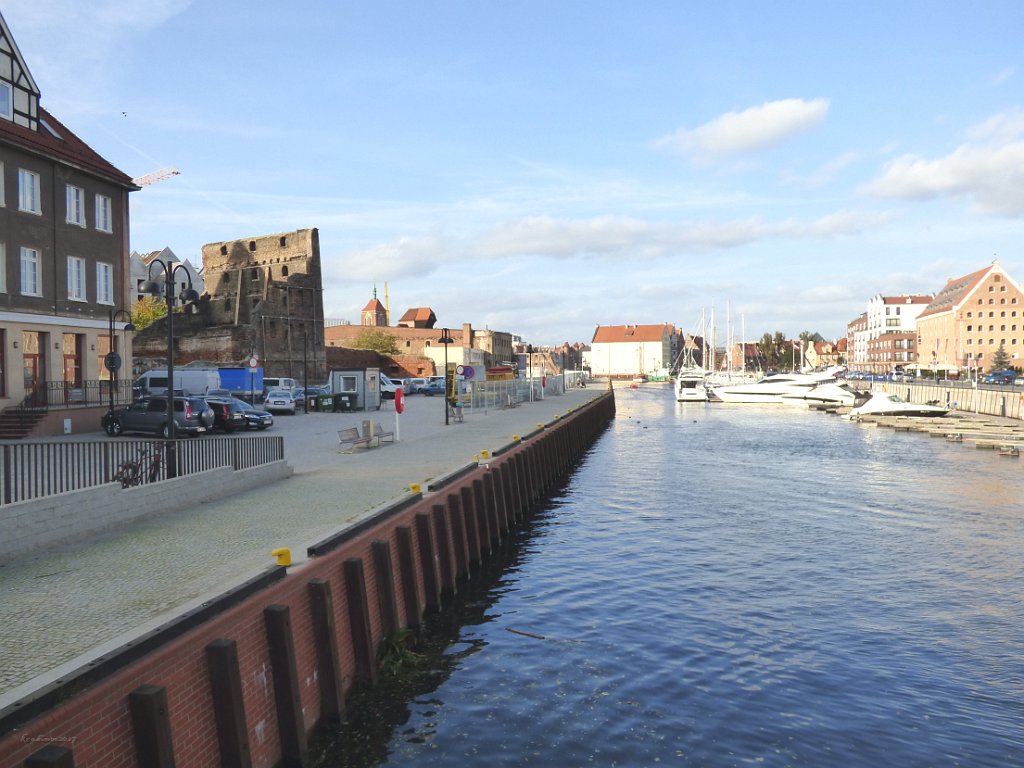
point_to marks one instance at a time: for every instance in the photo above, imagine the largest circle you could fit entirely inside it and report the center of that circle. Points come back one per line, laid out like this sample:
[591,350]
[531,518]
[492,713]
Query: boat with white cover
[771,389]
[888,404]
[690,386]
[834,392]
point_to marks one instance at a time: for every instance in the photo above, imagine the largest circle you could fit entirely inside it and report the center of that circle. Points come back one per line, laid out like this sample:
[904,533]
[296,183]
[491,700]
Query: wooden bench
[353,439]
[379,434]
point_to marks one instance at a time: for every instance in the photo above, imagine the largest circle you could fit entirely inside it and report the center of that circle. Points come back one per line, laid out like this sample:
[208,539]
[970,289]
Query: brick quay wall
[243,681]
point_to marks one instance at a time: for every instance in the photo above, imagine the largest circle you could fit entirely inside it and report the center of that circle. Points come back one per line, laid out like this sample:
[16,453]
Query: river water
[723,585]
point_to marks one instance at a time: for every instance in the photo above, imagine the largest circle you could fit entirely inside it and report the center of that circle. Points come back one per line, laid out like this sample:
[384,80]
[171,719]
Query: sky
[546,167]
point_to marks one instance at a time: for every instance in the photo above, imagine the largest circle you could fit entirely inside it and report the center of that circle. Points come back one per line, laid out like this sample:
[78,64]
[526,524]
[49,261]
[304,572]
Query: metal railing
[36,470]
[85,394]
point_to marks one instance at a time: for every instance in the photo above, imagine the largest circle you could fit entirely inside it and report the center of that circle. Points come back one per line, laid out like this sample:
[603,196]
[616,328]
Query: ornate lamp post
[187,296]
[529,365]
[112,360]
[445,339]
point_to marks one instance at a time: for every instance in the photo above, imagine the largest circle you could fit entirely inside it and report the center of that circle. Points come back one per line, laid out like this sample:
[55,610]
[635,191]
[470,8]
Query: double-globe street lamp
[446,339]
[112,362]
[186,296]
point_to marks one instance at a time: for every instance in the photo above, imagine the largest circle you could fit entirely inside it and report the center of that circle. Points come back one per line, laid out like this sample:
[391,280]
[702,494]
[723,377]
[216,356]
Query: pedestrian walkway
[63,607]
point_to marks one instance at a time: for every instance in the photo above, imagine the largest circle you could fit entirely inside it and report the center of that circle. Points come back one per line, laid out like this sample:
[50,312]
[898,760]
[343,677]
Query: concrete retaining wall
[55,520]
[244,687]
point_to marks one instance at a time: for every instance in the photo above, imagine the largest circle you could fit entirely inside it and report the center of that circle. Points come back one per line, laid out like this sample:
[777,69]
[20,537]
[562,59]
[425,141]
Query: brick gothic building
[264,295]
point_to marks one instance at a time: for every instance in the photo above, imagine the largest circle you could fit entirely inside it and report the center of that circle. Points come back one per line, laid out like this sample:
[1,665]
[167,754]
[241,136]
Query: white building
[629,350]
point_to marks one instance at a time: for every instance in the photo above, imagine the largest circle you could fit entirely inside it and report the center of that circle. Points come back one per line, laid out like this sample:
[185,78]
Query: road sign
[468,372]
[254,361]
[112,361]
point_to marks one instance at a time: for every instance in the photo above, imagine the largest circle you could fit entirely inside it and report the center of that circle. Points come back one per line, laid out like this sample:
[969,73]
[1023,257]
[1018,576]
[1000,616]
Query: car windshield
[279,393]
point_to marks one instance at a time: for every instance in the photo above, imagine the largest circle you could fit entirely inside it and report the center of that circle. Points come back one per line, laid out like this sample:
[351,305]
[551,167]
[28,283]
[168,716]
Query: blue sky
[545,167]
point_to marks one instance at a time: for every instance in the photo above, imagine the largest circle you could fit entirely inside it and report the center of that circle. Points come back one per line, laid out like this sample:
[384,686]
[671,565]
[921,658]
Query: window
[104,220]
[105,283]
[75,205]
[76,278]
[30,277]
[28,191]
[6,101]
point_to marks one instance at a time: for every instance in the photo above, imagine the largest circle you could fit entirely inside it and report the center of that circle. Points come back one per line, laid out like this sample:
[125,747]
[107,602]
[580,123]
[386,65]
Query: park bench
[350,437]
[379,434]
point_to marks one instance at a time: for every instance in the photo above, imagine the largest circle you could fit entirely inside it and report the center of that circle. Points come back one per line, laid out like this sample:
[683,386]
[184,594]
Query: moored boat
[770,389]
[888,404]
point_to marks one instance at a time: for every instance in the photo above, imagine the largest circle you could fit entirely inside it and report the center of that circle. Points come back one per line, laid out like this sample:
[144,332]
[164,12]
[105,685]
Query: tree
[377,340]
[1000,360]
[147,310]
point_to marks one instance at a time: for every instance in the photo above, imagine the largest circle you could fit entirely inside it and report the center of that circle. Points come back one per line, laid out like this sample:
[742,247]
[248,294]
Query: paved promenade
[61,608]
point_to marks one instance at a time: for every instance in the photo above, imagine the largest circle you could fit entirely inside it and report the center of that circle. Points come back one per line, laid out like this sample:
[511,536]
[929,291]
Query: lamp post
[112,360]
[187,295]
[305,373]
[445,339]
[529,366]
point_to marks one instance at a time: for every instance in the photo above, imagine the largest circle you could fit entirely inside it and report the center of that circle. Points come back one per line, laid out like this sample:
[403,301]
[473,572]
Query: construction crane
[155,176]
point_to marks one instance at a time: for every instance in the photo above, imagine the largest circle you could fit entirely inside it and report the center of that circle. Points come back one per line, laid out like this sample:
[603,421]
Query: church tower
[374,313]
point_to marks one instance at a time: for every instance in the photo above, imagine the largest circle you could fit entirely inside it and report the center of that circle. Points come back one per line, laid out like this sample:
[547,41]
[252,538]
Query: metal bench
[350,437]
[379,434]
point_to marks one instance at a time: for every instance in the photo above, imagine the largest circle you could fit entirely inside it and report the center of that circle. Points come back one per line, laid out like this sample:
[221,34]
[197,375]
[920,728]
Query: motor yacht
[771,389]
[887,404]
[833,392]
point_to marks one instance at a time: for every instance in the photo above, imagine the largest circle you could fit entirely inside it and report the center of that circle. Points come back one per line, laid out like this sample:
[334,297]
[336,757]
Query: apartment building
[63,252]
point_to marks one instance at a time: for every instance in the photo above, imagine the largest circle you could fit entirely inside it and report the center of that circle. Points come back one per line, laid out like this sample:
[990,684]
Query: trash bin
[345,401]
[325,403]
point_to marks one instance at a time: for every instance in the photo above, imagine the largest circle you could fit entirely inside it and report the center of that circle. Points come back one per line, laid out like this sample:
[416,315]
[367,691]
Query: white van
[271,383]
[189,381]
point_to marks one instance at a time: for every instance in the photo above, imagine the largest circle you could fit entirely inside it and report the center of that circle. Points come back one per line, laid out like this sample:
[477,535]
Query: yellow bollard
[515,438]
[283,555]
[414,488]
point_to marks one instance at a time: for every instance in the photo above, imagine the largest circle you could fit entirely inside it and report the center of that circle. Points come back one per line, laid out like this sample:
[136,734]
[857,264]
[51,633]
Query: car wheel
[114,428]
[165,431]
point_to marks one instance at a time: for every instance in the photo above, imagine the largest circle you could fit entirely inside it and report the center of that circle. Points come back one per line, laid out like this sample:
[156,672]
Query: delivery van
[188,381]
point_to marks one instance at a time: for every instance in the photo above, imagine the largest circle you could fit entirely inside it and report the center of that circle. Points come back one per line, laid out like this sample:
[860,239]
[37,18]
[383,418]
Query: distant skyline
[544,168]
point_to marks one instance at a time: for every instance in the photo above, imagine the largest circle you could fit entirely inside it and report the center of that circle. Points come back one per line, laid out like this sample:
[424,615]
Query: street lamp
[187,295]
[112,361]
[445,339]
[529,365]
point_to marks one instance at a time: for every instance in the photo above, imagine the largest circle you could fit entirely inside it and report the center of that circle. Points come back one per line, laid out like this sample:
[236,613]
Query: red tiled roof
[417,313]
[954,292]
[907,299]
[373,306]
[67,149]
[607,334]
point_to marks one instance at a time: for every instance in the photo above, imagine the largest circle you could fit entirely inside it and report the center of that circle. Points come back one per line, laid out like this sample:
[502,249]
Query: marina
[721,586]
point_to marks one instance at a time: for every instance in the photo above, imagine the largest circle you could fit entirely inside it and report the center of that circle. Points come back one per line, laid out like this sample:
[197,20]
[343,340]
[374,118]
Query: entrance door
[35,371]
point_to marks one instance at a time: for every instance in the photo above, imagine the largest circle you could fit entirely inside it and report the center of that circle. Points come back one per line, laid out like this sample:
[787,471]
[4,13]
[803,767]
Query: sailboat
[690,377]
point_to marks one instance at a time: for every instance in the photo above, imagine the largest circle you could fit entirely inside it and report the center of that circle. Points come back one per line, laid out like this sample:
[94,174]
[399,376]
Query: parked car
[1003,378]
[228,413]
[192,416]
[416,386]
[255,418]
[388,387]
[279,401]
[434,388]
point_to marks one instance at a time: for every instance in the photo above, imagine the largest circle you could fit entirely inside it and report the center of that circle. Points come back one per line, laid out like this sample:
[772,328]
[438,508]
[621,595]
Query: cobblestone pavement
[60,608]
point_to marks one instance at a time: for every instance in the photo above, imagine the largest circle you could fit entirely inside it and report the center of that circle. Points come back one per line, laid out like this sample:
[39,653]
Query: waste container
[325,403]
[345,401]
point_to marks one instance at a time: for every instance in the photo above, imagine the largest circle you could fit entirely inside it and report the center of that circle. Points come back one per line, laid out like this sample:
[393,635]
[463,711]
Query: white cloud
[751,130]
[988,170]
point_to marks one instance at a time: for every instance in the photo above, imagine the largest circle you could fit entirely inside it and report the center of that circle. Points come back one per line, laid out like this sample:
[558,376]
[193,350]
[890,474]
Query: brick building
[264,296]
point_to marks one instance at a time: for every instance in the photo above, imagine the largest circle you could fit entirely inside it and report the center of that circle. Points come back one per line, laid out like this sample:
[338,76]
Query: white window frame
[104,283]
[76,278]
[6,101]
[75,205]
[3,267]
[104,213]
[31,268]
[3,187]
[28,192]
